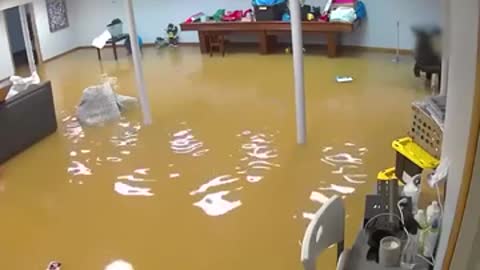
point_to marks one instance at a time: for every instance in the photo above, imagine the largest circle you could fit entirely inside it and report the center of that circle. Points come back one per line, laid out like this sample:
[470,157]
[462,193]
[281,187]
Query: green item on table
[218,15]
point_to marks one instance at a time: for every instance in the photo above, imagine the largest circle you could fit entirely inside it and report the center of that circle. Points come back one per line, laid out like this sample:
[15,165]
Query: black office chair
[427,56]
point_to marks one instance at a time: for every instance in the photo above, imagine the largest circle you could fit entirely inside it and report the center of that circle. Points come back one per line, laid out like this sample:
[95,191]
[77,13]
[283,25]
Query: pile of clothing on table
[344,11]
[222,15]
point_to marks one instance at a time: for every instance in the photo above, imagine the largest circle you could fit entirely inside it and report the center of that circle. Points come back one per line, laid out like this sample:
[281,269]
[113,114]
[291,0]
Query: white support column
[445,47]
[137,62]
[26,36]
[297,47]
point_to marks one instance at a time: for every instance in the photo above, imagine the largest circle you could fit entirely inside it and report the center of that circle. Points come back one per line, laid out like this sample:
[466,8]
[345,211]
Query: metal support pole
[142,92]
[297,47]
[26,36]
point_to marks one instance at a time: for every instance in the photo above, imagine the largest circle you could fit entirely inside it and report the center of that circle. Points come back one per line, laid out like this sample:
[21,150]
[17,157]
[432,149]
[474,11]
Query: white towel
[100,41]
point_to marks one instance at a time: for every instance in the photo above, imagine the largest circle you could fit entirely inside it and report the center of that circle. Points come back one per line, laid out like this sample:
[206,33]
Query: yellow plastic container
[387,175]
[415,153]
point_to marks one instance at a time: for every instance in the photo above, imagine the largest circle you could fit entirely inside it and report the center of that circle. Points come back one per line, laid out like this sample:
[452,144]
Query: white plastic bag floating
[100,104]
[20,84]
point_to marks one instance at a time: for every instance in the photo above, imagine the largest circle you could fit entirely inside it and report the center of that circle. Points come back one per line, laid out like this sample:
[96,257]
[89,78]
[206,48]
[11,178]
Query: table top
[307,26]
[356,259]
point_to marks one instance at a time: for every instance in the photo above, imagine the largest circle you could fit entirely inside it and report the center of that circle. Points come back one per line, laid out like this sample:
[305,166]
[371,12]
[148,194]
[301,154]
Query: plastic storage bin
[411,158]
[270,13]
[425,131]
[115,29]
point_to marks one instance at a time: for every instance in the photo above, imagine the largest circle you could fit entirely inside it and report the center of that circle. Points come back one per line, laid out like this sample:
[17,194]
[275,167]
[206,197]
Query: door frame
[36,41]
[463,197]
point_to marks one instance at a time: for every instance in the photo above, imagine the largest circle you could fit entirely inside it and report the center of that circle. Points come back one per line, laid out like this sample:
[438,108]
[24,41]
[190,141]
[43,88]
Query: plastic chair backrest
[326,228]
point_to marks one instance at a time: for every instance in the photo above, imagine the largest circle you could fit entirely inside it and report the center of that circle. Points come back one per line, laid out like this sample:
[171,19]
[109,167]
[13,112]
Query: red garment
[231,16]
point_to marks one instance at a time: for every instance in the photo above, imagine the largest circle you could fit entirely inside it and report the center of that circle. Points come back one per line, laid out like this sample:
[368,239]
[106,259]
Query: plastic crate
[411,158]
[425,131]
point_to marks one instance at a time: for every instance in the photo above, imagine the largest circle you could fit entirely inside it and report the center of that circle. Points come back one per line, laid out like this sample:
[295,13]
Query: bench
[265,31]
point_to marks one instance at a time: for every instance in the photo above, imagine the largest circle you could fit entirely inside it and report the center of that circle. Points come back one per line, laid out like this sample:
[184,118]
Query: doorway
[17,41]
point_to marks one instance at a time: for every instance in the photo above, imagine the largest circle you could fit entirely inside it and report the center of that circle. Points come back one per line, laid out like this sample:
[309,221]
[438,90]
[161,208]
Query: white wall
[6,65]
[379,30]
[53,44]
[14,26]
[461,86]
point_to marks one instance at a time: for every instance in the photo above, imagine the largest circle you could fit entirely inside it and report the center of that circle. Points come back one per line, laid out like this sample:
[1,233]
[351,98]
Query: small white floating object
[73,154]
[344,79]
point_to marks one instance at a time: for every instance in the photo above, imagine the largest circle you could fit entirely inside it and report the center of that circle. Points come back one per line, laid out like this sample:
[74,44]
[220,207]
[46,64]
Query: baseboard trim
[195,44]
[60,55]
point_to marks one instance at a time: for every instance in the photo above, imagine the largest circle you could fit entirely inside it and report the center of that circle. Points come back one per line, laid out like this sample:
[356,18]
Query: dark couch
[26,119]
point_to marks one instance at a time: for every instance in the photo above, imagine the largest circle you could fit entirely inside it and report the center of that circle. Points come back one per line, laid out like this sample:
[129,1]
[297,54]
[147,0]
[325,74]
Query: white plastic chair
[326,228]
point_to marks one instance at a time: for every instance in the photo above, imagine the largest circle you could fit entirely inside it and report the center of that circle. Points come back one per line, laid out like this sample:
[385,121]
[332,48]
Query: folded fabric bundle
[343,14]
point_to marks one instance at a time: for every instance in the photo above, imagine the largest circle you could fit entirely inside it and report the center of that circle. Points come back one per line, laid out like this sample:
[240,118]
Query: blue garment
[267,2]
[361,10]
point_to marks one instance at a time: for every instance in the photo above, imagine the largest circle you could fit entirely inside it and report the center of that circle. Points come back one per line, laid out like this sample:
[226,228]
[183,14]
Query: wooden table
[266,29]
[113,41]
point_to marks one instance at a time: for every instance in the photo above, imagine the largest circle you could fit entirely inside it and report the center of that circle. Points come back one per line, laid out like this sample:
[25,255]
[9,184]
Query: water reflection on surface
[214,204]
[346,169]
[257,158]
[85,157]
[183,142]
[130,190]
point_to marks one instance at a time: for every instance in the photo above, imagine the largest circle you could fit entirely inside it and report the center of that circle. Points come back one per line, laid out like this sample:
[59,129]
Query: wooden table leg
[202,37]
[263,42]
[272,42]
[114,45]
[99,54]
[332,44]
